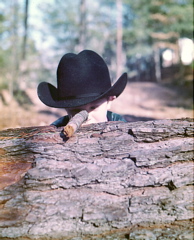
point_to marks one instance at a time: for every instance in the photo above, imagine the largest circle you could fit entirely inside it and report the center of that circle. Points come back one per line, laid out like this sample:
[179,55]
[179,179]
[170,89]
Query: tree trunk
[119,37]
[15,59]
[26,15]
[82,26]
[110,180]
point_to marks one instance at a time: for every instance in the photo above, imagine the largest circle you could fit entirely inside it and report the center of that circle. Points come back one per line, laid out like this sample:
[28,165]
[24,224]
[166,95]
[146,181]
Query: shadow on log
[109,181]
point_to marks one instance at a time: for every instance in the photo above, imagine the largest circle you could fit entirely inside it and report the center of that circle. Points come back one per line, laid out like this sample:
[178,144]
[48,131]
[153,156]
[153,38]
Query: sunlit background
[151,40]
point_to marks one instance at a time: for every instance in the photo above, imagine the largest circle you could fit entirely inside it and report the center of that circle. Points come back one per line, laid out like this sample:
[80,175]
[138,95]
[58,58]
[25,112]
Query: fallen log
[108,181]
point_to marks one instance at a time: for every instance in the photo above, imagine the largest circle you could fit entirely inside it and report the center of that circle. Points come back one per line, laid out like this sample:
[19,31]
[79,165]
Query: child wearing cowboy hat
[83,83]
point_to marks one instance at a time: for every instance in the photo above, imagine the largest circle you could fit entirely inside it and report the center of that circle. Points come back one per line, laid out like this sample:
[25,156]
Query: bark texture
[109,181]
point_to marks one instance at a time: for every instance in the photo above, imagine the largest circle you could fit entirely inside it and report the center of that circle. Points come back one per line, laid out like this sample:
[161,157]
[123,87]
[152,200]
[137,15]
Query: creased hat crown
[85,74]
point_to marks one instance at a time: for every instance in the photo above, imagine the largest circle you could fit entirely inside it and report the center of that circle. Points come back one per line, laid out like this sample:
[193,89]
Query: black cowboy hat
[81,79]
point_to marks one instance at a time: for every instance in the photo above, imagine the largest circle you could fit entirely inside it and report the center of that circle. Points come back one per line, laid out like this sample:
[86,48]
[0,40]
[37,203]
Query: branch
[75,123]
[164,36]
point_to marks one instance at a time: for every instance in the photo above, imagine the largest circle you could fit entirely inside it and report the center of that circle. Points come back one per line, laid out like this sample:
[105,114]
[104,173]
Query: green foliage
[3,85]
[22,98]
[62,23]
[141,18]
[11,42]
[173,17]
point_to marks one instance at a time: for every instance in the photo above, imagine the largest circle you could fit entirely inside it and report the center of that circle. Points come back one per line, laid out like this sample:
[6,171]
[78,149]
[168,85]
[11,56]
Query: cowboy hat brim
[48,94]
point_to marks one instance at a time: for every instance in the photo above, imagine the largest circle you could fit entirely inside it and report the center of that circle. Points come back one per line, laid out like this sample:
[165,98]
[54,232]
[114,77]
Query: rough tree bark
[109,181]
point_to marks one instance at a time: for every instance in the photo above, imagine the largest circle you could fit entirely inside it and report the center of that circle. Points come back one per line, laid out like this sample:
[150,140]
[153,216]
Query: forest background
[151,40]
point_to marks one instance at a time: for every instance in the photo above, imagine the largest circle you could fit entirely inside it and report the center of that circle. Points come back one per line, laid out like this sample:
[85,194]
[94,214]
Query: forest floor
[139,101]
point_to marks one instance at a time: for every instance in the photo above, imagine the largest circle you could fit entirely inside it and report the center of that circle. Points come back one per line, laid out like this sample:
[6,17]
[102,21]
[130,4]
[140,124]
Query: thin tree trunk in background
[119,37]
[82,28]
[157,64]
[25,30]
[15,56]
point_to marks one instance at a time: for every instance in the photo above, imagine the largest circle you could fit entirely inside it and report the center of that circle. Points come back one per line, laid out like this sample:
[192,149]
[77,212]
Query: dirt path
[139,101]
[151,100]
